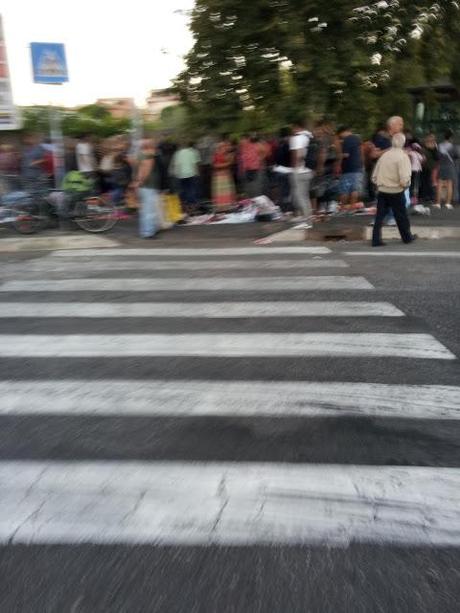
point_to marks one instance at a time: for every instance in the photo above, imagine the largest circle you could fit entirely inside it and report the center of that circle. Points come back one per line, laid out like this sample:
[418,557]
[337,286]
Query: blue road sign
[49,63]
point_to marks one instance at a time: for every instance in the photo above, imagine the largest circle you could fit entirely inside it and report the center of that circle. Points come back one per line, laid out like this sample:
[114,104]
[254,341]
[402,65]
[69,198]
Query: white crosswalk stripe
[211,310]
[86,499]
[234,398]
[179,503]
[202,504]
[193,252]
[421,346]
[138,264]
[405,254]
[190,284]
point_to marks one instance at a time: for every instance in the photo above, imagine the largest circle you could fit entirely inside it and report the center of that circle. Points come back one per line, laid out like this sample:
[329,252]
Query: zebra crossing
[173,325]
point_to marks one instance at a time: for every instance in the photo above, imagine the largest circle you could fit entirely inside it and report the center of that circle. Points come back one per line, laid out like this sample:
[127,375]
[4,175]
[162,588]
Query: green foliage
[258,64]
[92,119]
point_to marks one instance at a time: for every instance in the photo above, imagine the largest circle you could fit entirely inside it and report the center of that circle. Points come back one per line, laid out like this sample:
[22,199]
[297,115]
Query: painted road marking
[202,310]
[54,265]
[405,254]
[415,346]
[230,503]
[217,252]
[190,284]
[224,398]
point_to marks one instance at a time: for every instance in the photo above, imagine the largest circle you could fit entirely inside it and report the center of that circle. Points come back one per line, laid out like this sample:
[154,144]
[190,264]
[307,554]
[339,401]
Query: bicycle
[40,205]
[17,208]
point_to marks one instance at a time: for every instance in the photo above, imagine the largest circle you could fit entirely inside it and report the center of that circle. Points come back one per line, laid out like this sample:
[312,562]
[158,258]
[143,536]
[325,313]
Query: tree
[92,119]
[344,58]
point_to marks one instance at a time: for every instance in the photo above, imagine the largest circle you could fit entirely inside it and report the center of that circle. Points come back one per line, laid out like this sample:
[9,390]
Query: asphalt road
[228,483]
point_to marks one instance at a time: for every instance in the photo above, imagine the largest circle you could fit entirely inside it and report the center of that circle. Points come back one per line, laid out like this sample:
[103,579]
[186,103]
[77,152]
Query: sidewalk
[439,225]
[125,233]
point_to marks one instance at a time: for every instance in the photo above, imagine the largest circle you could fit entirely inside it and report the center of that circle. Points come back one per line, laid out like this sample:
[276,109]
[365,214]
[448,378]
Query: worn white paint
[421,346]
[202,310]
[87,266]
[405,254]
[231,504]
[188,284]
[51,243]
[199,252]
[223,398]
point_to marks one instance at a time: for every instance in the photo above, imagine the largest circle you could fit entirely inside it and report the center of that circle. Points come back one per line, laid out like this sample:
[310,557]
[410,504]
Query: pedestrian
[430,169]
[417,159]
[86,159]
[392,176]
[148,183]
[33,161]
[9,160]
[301,175]
[223,186]
[351,167]
[395,125]
[106,165]
[252,159]
[70,157]
[122,172]
[206,147]
[447,171]
[282,169]
[10,165]
[185,168]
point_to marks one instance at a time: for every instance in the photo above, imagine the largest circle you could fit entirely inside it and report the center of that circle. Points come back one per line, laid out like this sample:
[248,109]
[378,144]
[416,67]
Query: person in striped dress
[223,187]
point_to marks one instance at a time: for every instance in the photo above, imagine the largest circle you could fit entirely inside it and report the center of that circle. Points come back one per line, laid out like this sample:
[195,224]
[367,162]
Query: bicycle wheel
[94,215]
[30,218]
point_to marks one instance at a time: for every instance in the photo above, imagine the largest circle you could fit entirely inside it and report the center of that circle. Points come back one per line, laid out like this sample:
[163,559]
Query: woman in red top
[223,187]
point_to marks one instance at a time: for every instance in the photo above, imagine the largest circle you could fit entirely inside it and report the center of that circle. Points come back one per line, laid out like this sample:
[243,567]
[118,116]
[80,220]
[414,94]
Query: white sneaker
[427,210]
[419,209]
[332,207]
[436,206]
[449,206]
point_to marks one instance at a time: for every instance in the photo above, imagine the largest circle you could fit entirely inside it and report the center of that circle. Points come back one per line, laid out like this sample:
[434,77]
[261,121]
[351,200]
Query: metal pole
[57,142]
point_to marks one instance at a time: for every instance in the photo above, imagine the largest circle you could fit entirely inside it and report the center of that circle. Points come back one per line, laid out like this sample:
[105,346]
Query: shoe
[436,206]
[414,238]
[421,210]
[449,206]
[381,244]
[391,223]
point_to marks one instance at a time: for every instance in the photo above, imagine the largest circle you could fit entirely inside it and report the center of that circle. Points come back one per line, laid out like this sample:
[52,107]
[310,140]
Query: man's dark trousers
[397,204]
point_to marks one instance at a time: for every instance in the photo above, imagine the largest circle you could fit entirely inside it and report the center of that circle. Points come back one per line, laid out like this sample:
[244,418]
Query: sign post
[49,67]
[9,116]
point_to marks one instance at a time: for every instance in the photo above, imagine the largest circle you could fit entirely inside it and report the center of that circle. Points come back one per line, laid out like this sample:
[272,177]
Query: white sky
[114,48]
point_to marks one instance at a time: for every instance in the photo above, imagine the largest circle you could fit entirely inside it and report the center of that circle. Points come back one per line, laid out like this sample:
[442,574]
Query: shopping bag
[172,208]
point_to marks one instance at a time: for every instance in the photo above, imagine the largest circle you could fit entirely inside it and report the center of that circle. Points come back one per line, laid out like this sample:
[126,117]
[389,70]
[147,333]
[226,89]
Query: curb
[364,233]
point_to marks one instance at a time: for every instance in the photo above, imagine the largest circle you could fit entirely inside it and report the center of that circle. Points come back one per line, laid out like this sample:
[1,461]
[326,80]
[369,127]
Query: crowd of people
[305,172]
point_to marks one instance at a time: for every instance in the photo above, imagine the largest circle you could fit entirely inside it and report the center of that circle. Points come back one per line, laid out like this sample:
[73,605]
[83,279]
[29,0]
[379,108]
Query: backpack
[75,181]
[312,154]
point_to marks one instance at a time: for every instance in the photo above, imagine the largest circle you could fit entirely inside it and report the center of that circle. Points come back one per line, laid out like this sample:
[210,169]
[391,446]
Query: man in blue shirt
[33,160]
[351,159]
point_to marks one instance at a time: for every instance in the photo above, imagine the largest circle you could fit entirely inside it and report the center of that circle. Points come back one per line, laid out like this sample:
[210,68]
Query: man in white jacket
[392,176]
[301,176]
